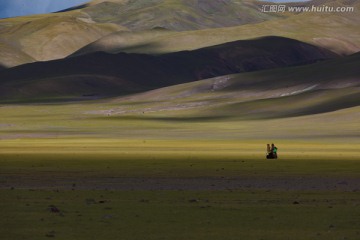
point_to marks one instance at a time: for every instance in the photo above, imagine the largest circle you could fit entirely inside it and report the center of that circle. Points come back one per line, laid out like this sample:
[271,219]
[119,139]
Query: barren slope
[338,32]
[54,36]
[105,74]
[297,91]
[46,37]
[11,56]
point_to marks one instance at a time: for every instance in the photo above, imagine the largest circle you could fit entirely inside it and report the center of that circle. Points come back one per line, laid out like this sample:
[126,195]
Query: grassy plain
[178,215]
[50,189]
[69,171]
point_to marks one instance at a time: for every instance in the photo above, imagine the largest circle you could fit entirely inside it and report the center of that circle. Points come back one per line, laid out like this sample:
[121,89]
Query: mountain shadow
[116,74]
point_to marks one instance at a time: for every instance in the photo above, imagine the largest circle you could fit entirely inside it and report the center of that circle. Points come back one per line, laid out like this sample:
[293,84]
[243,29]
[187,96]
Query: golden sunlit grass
[63,144]
[201,214]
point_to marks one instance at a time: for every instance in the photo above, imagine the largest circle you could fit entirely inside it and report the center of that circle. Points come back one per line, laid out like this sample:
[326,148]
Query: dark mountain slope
[276,93]
[125,73]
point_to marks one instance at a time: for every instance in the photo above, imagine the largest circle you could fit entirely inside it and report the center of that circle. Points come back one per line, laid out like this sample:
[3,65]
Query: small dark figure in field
[271,151]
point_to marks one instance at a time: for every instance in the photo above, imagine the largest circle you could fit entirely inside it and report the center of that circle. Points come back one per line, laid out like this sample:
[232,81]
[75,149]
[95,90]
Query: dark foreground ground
[202,214]
[82,196]
[309,183]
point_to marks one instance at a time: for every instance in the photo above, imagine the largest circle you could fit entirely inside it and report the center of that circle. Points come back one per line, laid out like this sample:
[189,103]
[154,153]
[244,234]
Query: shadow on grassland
[309,103]
[165,119]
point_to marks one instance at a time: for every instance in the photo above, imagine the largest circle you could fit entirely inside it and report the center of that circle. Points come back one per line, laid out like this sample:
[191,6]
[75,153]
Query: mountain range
[308,90]
[185,25]
[107,74]
[215,50]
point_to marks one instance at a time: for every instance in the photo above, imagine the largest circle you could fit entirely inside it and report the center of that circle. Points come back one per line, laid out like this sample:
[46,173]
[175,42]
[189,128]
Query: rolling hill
[11,56]
[338,32]
[177,15]
[55,36]
[51,36]
[104,74]
[277,93]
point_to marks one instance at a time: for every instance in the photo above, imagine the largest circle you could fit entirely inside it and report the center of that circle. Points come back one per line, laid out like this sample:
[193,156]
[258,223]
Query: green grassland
[92,213]
[71,157]
[168,158]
